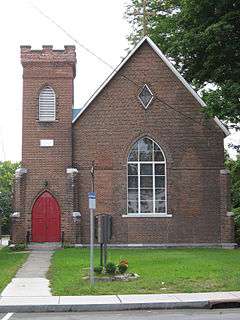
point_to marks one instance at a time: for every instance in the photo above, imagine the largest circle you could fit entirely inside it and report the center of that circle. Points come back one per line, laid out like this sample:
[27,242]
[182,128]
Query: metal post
[105,255]
[101,254]
[92,232]
[91,247]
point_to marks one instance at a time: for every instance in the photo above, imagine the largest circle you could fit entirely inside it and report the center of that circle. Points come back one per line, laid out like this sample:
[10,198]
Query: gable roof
[170,66]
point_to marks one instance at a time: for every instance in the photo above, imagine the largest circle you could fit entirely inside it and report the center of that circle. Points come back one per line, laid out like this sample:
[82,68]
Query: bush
[111,268]
[122,268]
[18,247]
[67,246]
[237,224]
[98,270]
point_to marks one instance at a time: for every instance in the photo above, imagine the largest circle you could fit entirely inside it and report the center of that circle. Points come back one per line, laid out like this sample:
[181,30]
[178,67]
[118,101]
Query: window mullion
[139,210]
[153,172]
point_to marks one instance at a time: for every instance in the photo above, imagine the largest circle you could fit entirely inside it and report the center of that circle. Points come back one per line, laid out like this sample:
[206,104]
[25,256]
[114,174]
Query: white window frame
[152,214]
[145,107]
[41,117]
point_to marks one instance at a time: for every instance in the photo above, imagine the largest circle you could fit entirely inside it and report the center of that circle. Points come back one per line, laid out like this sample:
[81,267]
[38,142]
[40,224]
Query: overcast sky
[98,25]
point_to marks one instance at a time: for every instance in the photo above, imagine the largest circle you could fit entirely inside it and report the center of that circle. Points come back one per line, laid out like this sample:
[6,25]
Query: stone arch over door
[46,219]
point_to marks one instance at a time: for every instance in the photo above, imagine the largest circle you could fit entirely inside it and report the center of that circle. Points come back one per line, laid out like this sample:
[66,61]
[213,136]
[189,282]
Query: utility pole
[144,13]
[93,175]
[144,18]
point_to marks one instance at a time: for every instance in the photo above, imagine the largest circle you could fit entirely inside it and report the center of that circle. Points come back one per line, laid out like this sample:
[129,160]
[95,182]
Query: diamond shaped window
[145,96]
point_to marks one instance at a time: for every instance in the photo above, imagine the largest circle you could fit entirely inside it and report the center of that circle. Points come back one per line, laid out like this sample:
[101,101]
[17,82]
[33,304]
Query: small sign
[46,143]
[92,200]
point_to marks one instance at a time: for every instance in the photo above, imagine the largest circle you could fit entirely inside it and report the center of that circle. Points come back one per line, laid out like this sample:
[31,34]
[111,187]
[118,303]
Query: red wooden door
[46,219]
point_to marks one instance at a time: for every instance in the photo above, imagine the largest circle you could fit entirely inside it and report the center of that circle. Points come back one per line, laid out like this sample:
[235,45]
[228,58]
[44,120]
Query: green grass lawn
[9,264]
[161,271]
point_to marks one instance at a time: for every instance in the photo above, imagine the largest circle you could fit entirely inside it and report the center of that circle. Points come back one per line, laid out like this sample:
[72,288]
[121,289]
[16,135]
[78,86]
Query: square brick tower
[44,185]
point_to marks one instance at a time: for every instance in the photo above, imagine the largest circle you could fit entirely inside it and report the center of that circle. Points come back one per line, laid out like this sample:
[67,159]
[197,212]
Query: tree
[7,170]
[234,168]
[202,37]
[152,18]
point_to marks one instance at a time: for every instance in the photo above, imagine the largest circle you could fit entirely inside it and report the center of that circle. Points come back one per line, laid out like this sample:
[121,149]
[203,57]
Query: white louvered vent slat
[47,104]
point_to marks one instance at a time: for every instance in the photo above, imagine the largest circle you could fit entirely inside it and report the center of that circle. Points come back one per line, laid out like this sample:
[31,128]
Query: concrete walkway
[30,280]
[118,302]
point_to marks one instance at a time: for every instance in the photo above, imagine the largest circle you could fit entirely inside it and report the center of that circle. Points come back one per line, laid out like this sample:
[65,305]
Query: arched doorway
[46,219]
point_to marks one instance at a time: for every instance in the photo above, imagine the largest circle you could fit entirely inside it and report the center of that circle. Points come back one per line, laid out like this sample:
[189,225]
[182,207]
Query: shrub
[122,268]
[237,224]
[98,270]
[67,246]
[111,268]
[18,247]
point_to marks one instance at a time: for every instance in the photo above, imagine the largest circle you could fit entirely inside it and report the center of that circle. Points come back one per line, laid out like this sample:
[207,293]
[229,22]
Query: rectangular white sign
[92,200]
[46,143]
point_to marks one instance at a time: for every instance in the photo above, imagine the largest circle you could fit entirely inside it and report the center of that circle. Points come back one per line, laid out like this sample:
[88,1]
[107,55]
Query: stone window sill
[147,215]
[46,121]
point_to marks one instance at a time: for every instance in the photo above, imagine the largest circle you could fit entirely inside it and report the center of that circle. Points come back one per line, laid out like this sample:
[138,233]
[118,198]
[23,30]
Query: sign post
[92,206]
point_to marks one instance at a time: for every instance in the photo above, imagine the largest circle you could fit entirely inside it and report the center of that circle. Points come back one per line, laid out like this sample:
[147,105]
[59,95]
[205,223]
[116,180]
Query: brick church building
[159,163]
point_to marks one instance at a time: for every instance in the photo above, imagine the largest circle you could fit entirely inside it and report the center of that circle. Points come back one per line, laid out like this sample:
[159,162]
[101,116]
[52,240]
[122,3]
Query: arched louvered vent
[47,104]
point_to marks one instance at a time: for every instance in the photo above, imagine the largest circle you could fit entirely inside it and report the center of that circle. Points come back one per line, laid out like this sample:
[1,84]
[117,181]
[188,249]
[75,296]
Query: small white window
[47,104]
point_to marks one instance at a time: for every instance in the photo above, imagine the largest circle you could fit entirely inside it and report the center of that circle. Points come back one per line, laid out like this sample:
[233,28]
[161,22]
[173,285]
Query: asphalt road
[223,314]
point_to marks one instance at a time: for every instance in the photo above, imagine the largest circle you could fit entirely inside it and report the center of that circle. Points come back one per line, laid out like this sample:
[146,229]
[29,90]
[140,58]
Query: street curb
[224,303]
[104,307]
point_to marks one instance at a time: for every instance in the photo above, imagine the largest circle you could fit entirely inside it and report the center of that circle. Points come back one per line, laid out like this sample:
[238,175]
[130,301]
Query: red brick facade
[46,167]
[197,188]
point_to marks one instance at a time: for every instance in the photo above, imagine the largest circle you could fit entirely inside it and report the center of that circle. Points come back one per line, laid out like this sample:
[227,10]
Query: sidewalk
[117,302]
[30,279]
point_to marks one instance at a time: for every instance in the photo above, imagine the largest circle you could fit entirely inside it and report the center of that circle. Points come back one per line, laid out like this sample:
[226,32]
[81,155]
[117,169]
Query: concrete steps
[44,246]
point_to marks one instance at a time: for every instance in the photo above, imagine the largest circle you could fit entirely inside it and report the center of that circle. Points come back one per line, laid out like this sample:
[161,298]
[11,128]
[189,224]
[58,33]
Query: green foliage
[234,167]
[7,170]
[111,268]
[157,18]
[202,37]
[98,270]
[237,224]
[18,247]
[67,246]
[224,103]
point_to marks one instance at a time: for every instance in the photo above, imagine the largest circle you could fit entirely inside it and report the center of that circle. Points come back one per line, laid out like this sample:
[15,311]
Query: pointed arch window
[146,178]
[47,104]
